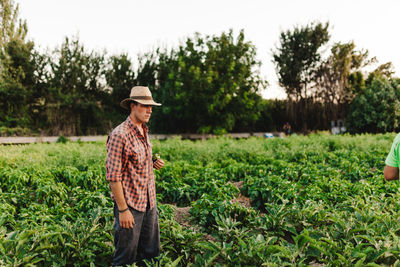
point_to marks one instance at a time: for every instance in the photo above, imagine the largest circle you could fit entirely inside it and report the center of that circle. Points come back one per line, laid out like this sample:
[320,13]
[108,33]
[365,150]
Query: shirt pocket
[139,157]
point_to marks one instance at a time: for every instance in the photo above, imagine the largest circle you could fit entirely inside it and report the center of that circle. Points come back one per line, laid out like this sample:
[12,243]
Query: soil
[182,216]
[242,200]
[238,184]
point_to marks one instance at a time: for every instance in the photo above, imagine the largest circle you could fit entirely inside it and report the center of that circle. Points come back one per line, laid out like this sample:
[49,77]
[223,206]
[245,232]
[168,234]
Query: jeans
[137,243]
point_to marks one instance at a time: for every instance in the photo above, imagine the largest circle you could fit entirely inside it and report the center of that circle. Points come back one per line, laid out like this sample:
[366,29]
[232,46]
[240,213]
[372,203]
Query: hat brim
[125,103]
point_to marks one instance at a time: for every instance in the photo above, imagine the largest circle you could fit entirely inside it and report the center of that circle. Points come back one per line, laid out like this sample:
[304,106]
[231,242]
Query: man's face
[141,113]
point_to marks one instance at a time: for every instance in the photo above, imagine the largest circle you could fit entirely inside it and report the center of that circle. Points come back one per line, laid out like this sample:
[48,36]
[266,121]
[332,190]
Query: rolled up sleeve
[392,158]
[115,162]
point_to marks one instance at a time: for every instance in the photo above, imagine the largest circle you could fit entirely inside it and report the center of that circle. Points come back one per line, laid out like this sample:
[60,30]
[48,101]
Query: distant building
[337,127]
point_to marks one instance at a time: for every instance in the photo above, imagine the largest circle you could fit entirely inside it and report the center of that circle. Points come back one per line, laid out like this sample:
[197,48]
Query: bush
[377,108]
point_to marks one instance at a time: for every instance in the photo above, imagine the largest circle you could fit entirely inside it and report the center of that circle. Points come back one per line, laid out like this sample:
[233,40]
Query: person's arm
[125,216]
[114,167]
[391,171]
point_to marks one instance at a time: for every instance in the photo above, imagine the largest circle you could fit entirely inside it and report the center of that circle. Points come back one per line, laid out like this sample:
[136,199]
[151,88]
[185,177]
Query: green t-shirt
[393,159]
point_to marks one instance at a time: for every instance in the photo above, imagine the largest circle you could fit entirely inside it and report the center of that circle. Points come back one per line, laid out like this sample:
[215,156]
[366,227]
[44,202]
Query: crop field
[315,200]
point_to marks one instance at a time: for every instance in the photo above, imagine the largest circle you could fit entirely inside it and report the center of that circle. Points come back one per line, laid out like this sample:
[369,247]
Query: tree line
[207,84]
[326,83]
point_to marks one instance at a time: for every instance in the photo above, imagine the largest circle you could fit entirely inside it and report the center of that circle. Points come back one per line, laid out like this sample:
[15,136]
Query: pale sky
[139,26]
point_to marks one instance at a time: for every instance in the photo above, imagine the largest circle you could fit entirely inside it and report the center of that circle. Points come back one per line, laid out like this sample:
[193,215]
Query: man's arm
[391,173]
[125,218]
[114,167]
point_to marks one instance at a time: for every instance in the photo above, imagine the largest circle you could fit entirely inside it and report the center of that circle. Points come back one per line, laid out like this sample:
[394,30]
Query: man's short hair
[134,103]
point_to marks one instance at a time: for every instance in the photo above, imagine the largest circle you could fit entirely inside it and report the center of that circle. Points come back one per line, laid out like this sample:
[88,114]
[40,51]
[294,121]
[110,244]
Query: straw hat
[140,94]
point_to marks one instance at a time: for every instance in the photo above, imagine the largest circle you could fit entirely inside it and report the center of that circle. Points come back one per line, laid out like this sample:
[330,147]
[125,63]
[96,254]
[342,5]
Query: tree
[16,83]
[384,70]
[120,78]
[339,78]
[206,85]
[11,28]
[273,115]
[16,68]
[377,108]
[297,58]
[76,88]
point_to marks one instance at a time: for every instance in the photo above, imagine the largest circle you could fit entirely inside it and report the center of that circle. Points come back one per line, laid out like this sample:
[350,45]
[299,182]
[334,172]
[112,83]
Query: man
[391,171]
[129,169]
[287,128]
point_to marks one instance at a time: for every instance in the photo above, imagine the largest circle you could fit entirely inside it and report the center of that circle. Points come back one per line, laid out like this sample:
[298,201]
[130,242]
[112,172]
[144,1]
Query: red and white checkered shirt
[129,160]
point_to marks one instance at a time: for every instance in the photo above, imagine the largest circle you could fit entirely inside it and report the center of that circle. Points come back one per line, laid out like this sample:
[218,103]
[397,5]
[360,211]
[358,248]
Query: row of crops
[316,200]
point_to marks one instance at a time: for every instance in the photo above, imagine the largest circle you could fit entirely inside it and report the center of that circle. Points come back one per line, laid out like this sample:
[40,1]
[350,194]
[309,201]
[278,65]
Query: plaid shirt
[129,160]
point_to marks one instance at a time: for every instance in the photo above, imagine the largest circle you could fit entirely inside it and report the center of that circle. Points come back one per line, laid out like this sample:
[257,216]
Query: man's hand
[158,164]
[126,219]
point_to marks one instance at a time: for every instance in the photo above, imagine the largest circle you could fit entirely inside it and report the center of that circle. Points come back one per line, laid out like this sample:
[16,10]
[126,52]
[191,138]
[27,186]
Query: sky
[134,27]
